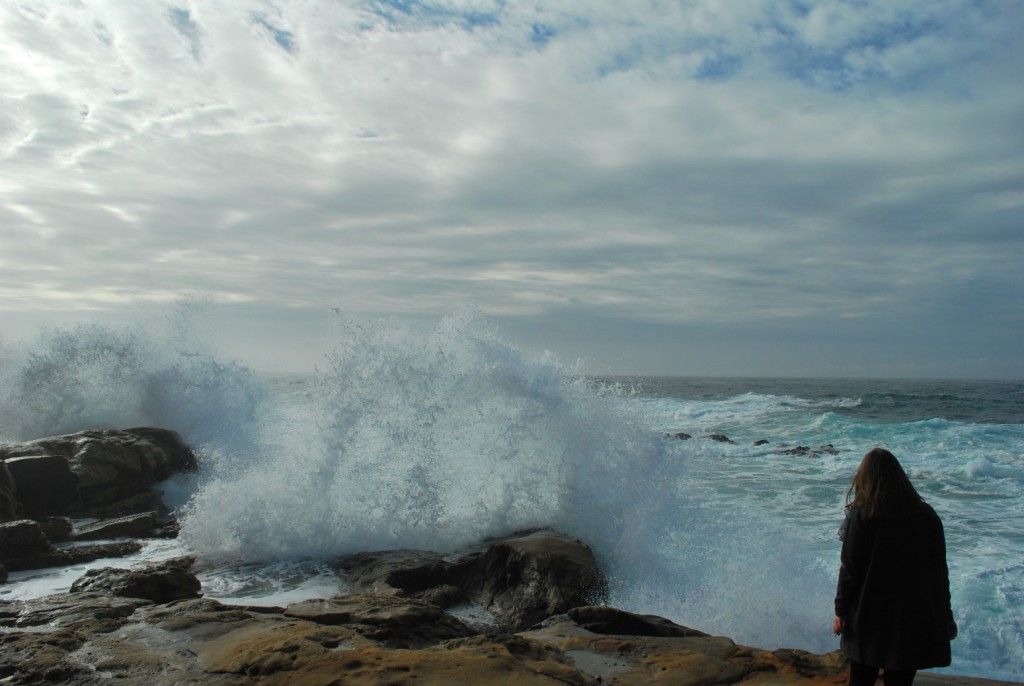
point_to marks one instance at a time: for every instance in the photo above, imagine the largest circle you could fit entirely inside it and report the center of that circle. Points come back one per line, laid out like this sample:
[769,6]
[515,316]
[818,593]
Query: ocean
[437,440]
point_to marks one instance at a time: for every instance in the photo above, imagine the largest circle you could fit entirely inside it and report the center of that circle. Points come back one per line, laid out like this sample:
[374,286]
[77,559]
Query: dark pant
[866,675]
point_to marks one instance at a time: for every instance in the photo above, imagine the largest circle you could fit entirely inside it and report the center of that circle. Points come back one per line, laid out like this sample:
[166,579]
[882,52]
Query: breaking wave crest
[433,442]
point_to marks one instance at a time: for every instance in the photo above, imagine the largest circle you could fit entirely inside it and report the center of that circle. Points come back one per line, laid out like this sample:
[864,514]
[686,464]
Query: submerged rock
[805,451]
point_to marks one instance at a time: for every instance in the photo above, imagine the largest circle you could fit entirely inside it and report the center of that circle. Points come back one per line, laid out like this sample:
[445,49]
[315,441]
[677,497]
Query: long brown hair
[881,487]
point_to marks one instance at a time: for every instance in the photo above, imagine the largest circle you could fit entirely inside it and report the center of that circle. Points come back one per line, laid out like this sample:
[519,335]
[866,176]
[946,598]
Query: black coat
[893,591]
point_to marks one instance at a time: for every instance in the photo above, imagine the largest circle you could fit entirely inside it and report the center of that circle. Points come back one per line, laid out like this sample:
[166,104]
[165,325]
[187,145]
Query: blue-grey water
[397,439]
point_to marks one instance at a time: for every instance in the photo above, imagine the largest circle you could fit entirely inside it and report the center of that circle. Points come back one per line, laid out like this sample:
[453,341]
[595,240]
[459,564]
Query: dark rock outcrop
[610,620]
[525,579]
[26,544]
[720,438]
[22,538]
[137,526]
[57,529]
[81,472]
[805,451]
[10,508]
[522,579]
[44,483]
[160,582]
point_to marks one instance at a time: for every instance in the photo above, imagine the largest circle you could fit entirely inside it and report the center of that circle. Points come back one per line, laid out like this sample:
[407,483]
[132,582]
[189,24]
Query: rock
[69,610]
[10,508]
[721,438]
[681,435]
[93,638]
[24,545]
[3,574]
[442,596]
[57,528]
[160,582]
[610,620]
[22,538]
[410,571]
[760,441]
[804,451]
[95,551]
[137,526]
[522,579]
[93,469]
[383,617]
[525,579]
[45,484]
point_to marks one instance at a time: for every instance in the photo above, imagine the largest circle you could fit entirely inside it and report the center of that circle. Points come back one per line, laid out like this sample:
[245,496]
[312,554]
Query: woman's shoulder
[926,511]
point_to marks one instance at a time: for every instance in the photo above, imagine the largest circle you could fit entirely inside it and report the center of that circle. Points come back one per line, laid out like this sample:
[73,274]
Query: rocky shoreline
[524,609]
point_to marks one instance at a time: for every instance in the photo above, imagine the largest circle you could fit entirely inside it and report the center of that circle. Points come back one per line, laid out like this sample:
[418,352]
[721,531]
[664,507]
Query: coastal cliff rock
[89,472]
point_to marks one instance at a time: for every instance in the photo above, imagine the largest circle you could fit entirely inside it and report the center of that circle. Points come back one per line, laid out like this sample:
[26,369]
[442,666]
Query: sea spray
[91,376]
[435,442]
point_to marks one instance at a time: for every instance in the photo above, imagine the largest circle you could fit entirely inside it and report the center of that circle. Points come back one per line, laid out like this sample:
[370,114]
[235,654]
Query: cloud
[685,164]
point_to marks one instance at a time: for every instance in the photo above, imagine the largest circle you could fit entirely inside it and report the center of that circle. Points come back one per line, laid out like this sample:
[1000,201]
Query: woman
[892,600]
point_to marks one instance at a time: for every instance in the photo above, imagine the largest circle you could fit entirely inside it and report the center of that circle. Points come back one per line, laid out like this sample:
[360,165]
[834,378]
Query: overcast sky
[767,187]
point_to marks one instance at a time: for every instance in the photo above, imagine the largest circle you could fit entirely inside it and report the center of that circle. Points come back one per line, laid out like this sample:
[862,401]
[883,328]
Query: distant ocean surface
[438,441]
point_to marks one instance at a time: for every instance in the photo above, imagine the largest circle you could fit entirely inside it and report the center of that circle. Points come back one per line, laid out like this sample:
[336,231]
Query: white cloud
[686,163]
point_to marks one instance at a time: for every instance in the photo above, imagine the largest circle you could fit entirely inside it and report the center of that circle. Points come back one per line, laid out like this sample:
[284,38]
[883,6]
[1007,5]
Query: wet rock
[760,441]
[22,538]
[522,579]
[90,469]
[409,571]
[720,438]
[443,596]
[805,451]
[10,508]
[681,435]
[138,526]
[525,579]
[610,620]
[160,583]
[24,545]
[70,610]
[383,617]
[44,483]
[57,529]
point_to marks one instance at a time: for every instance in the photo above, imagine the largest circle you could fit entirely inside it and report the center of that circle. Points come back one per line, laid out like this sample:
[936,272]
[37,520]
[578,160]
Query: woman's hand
[837,625]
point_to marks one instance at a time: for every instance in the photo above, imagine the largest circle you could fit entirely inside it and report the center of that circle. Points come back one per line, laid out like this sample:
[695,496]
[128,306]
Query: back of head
[881,488]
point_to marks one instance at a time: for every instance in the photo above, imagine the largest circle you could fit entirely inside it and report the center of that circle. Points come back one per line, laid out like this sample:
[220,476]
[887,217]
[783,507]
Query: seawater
[404,439]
